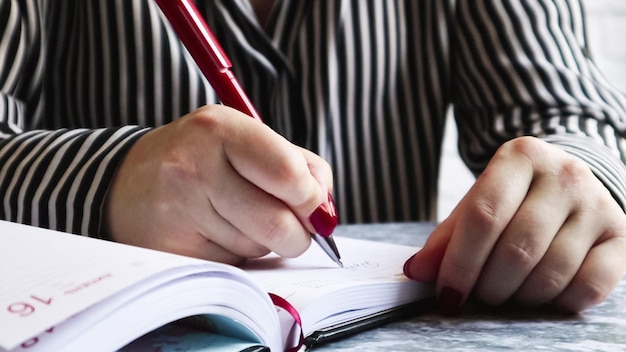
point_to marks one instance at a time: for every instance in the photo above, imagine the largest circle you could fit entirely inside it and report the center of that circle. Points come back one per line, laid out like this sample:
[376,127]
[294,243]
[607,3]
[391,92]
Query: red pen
[204,48]
[197,37]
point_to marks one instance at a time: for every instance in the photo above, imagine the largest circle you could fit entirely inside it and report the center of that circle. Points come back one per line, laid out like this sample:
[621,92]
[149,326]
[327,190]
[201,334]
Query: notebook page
[303,280]
[48,276]
[364,261]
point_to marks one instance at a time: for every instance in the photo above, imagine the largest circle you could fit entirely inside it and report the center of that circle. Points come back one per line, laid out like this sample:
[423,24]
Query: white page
[372,271]
[48,276]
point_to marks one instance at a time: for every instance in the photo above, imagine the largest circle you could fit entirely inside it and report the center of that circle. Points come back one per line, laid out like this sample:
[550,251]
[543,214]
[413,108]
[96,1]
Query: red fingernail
[325,220]
[407,264]
[449,301]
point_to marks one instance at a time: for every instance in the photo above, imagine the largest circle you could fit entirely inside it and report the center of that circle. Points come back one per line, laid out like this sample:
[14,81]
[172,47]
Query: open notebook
[67,292]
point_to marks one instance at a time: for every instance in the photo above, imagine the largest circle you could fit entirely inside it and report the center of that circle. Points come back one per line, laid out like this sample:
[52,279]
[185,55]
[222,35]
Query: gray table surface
[601,328]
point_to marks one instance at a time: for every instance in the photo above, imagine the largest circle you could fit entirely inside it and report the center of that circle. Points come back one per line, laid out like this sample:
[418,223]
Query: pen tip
[340,264]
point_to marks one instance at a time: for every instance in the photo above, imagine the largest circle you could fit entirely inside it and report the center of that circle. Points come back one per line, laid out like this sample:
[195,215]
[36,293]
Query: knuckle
[525,146]
[208,118]
[525,254]
[573,168]
[293,174]
[484,214]
[289,168]
[571,173]
[549,280]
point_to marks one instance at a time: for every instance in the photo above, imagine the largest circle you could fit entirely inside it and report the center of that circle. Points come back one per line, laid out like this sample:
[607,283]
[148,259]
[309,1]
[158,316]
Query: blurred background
[606,25]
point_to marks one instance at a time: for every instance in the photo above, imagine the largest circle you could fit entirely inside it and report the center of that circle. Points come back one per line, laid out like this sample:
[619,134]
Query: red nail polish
[325,220]
[407,264]
[449,301]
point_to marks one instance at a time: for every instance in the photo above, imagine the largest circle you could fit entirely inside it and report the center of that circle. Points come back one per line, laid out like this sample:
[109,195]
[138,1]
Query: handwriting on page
[362,261]
[337,275]
[352,272]
[303,280]
[366,264]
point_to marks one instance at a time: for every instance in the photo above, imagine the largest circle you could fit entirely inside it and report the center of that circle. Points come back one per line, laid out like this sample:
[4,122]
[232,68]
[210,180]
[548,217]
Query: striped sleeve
[17,42]
[55,179]
[59,179]
[524,69]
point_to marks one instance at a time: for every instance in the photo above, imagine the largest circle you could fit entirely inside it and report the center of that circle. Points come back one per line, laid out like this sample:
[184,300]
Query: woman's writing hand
[218,185]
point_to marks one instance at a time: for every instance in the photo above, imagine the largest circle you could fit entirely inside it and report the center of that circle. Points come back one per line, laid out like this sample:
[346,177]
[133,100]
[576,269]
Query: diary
[74,293]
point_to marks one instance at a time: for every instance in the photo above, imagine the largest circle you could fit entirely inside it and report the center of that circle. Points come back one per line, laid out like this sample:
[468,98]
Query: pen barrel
[197,37]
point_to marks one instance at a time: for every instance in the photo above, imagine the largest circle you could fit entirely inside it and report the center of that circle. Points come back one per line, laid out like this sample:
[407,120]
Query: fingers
[284,187]
[483,215]
[529,229]
[601,272]
[263,218]
[198,246]
[555,269]
[525,241]
[298,178]
[586,259]
[161,206]
[217,181]
[319,169]
[221,231]
[548,240]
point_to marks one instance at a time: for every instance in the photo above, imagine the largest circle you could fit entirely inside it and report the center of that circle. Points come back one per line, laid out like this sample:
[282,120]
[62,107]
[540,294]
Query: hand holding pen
[218,185]
[215,65]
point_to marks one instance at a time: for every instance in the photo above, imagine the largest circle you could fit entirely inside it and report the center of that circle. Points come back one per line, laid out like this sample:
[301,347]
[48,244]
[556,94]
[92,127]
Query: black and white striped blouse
[366,84]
